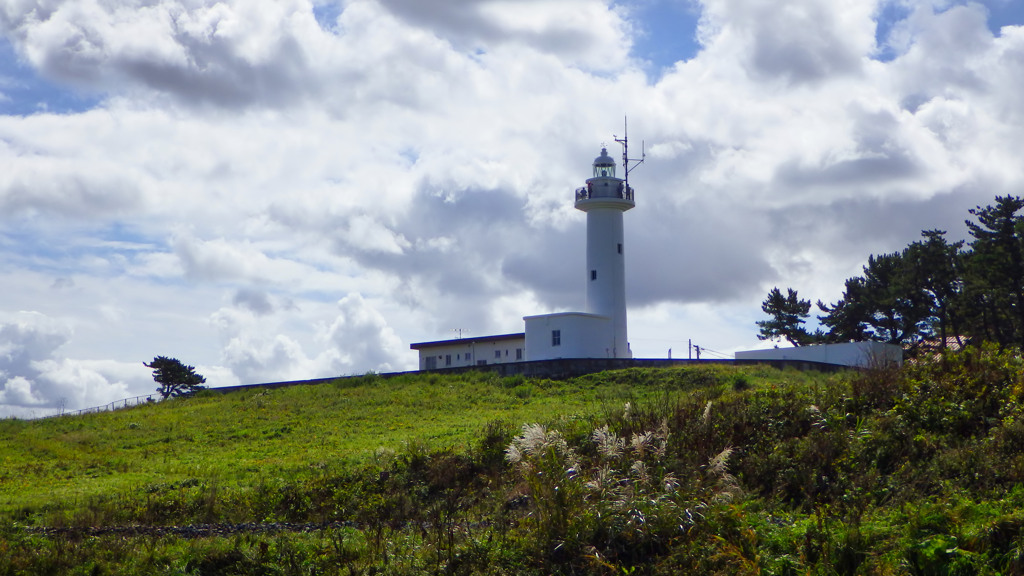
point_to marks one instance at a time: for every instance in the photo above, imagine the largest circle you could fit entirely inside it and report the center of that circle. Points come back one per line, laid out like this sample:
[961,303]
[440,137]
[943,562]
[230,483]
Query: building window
[497,354]
[593,274]
[620,247]
[469,356]
[519,353]
[447,359]
[556,337]
[458,357]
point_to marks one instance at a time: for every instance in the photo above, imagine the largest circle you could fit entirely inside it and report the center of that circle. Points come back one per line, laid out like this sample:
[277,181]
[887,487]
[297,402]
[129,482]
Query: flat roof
[560,314]
[478,339]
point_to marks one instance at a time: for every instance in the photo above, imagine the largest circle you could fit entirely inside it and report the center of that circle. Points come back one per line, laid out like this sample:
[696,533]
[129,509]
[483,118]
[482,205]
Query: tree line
[931,293]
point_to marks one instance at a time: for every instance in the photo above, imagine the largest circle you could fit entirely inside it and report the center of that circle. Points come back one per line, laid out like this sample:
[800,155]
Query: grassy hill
[698,470]
[237,440]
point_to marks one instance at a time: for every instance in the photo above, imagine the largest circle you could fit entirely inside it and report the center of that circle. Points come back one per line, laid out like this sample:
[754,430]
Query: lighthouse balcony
[598,194]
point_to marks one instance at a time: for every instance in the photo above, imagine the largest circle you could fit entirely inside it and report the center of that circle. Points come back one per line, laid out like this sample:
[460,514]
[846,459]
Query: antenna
[625,151]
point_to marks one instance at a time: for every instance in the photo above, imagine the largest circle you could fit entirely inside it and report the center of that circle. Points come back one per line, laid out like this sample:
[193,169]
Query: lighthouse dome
[604,166]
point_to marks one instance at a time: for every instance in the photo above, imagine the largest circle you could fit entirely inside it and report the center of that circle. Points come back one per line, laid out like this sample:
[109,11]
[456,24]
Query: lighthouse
[605,198]
[599,331]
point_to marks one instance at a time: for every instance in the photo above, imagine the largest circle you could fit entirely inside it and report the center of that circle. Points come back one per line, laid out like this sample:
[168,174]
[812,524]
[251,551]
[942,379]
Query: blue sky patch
[1004,13]
[24,92]
[667,31]
[61,254]
[892,13]
[327,15]
[1000,13]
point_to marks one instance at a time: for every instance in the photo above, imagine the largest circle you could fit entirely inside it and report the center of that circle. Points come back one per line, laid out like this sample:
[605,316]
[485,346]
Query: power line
[716,352]
[698,350]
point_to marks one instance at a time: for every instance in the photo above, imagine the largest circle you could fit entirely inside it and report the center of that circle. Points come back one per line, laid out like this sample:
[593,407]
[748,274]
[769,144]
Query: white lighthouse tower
[604,199]
[600,331]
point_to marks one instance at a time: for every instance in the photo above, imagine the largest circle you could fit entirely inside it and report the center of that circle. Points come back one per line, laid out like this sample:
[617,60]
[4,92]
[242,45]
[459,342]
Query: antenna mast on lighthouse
[625,151]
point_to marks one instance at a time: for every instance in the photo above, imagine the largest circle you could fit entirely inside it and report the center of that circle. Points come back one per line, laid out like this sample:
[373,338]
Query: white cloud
[222,54]
[17,392]
[34,381]
[361,337]
[270,199]
[578,32]
[358,339]
[796,42]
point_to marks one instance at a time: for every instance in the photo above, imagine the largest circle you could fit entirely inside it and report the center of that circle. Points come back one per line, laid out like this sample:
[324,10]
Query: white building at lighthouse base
[569,335]
[547,337]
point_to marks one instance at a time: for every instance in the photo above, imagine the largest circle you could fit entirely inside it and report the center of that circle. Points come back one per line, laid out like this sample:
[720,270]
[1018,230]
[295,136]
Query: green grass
[241,438]
[698,470]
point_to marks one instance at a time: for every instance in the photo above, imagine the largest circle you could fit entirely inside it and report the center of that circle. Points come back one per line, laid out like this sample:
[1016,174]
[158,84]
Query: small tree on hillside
[175,378]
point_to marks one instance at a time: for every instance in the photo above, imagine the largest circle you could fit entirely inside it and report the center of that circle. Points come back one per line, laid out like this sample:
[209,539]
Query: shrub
[620,505]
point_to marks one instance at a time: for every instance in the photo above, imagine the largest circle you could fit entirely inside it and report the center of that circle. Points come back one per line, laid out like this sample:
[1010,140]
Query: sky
[285,189]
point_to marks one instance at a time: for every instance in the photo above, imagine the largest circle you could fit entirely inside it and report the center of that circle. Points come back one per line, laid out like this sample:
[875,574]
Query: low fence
[115,405]
[563,368]
[559,369]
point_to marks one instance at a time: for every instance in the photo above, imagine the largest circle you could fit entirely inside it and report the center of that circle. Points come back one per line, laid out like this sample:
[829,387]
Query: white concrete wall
[606,273]
[581,336]
[467,352]
[860,354]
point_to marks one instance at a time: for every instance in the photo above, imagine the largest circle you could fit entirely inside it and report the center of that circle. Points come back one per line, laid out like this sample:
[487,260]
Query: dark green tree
[788,314]
[175,378]
[930,293]
[994,273]
[898,307]
[847,320]
[886,304]
[936,268]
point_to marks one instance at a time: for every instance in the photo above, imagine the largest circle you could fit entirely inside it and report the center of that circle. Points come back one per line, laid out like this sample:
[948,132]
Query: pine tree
[928,292]
[936,266]
[847,319]
[994,276]
[175,378]
[788,313]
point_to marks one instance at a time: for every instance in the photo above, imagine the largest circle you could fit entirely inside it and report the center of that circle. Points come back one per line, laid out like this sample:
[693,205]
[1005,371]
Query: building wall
[579,335]
[469,352]
[859,354]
